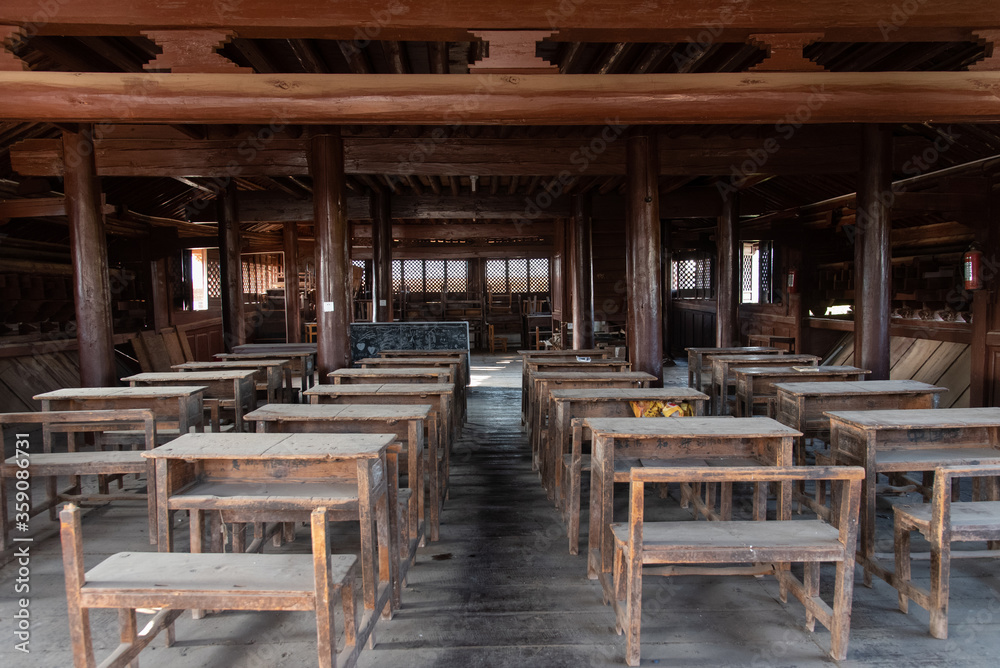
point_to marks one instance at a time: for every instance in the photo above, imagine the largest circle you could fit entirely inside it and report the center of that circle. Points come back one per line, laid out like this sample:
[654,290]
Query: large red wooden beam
[780,98]
[360,19]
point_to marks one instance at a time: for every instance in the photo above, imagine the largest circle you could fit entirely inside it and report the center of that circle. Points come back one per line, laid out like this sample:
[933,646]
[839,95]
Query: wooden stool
[176,582]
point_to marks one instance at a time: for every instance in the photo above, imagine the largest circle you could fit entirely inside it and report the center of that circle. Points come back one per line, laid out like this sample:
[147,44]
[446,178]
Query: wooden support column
[583,273]
[666,265]
[642,210]
[873,254]
[293,312]
[231,268]
[382,257]
[728,271]
[984,388]
[333,264]
[161,244]
[89,249]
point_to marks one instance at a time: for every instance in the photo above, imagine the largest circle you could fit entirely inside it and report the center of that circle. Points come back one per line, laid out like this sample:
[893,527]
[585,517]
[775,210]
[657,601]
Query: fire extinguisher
[793,281]
[971,263]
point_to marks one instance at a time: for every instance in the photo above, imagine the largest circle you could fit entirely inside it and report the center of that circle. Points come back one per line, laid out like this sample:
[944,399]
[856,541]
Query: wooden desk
[802,406]
[440,396]
[269,373]
[772,340]
[696,357]
[462,353]
[303,362]
[453,363]
[620,443]
[722,377]
[405,422]
[555,355]
[400,375]
[755,384]
[533,366]
[902,441]
[233,389]
[258,478]
[542,382]
[176,407]
[565,449]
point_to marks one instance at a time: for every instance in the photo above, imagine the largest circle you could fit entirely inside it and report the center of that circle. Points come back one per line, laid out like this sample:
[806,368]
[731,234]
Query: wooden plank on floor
[172,343]
[158,356]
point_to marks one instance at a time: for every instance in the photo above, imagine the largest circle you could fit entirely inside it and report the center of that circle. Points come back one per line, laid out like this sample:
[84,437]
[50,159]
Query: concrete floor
[500,589]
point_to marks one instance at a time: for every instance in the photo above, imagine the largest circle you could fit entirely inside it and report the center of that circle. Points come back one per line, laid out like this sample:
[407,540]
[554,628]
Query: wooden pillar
[666,265]
[873,254]
[583,273]
[231,268]
[293,312]
[89,249]
[985,371]
[161,244]
[333,264]
[382,257]
[728,273]
[642,209]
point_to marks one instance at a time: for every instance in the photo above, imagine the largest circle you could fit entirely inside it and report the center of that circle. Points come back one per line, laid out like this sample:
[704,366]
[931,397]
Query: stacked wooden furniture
[723,366]
[453,364]
[696,359]
[553,355]
[172,583]
[75,462]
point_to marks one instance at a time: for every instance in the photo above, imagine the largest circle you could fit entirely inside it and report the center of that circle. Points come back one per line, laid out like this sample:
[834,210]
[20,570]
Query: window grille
[496,276]
[434,275]
[517,275]
[458,275]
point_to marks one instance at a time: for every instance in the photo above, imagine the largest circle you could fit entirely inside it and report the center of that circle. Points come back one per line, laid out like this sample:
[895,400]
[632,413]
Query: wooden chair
[496,341]
[175,582]
[669,548]
[943,522]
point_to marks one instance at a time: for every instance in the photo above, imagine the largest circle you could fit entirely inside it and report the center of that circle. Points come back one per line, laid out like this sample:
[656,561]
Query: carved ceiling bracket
[784,51]
[991,63]
[9,35]
[192,52]
[512,52]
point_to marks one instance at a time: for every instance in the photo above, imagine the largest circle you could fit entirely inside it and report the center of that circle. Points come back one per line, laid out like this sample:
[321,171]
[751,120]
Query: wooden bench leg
[79,617]
[127,631]
[841,623]
[573,505]
[940,573]
[810,580]
[633,593]
[901,548]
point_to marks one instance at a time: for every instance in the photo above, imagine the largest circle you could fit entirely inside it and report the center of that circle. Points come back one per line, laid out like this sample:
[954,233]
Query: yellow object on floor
[661,409]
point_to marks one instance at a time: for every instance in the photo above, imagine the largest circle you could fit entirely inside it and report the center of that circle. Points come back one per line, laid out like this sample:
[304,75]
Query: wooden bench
[173,583]
[943,522]
[762,547]
[50,465]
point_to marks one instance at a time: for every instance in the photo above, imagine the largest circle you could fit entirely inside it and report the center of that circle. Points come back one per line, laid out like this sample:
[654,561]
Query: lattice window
[749,275]
[434,275]
[517,272]
[691,276]
[363,288]
[397,275]
[214,280]
[458,275]
[496,276]
[413,275]
[538,275]
[766,263]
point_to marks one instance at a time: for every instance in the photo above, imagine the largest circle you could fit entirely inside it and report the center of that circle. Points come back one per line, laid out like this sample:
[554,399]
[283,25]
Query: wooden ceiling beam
[543,99]
[267,18]
[459,231]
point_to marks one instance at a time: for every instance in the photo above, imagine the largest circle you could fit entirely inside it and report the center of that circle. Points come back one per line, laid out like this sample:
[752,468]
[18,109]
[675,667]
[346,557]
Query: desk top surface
[858,387]
[629,394]
[928,418]
[178,376]
[233,364]
[333,412]
[150,392]
[414,389]
[690,427]
[804,371]
[592,375]
[401,371]
[273,446]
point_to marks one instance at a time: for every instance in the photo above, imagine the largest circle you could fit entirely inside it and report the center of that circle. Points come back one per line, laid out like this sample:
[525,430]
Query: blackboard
[368,338]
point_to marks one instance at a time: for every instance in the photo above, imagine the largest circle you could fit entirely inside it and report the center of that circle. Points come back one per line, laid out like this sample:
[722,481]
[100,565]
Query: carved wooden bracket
[991,63]
[192,51]
[513,52]
[784,51]
[8,61]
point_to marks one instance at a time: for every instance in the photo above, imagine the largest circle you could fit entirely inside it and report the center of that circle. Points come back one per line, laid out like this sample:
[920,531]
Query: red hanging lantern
[971,264]
[793,281]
